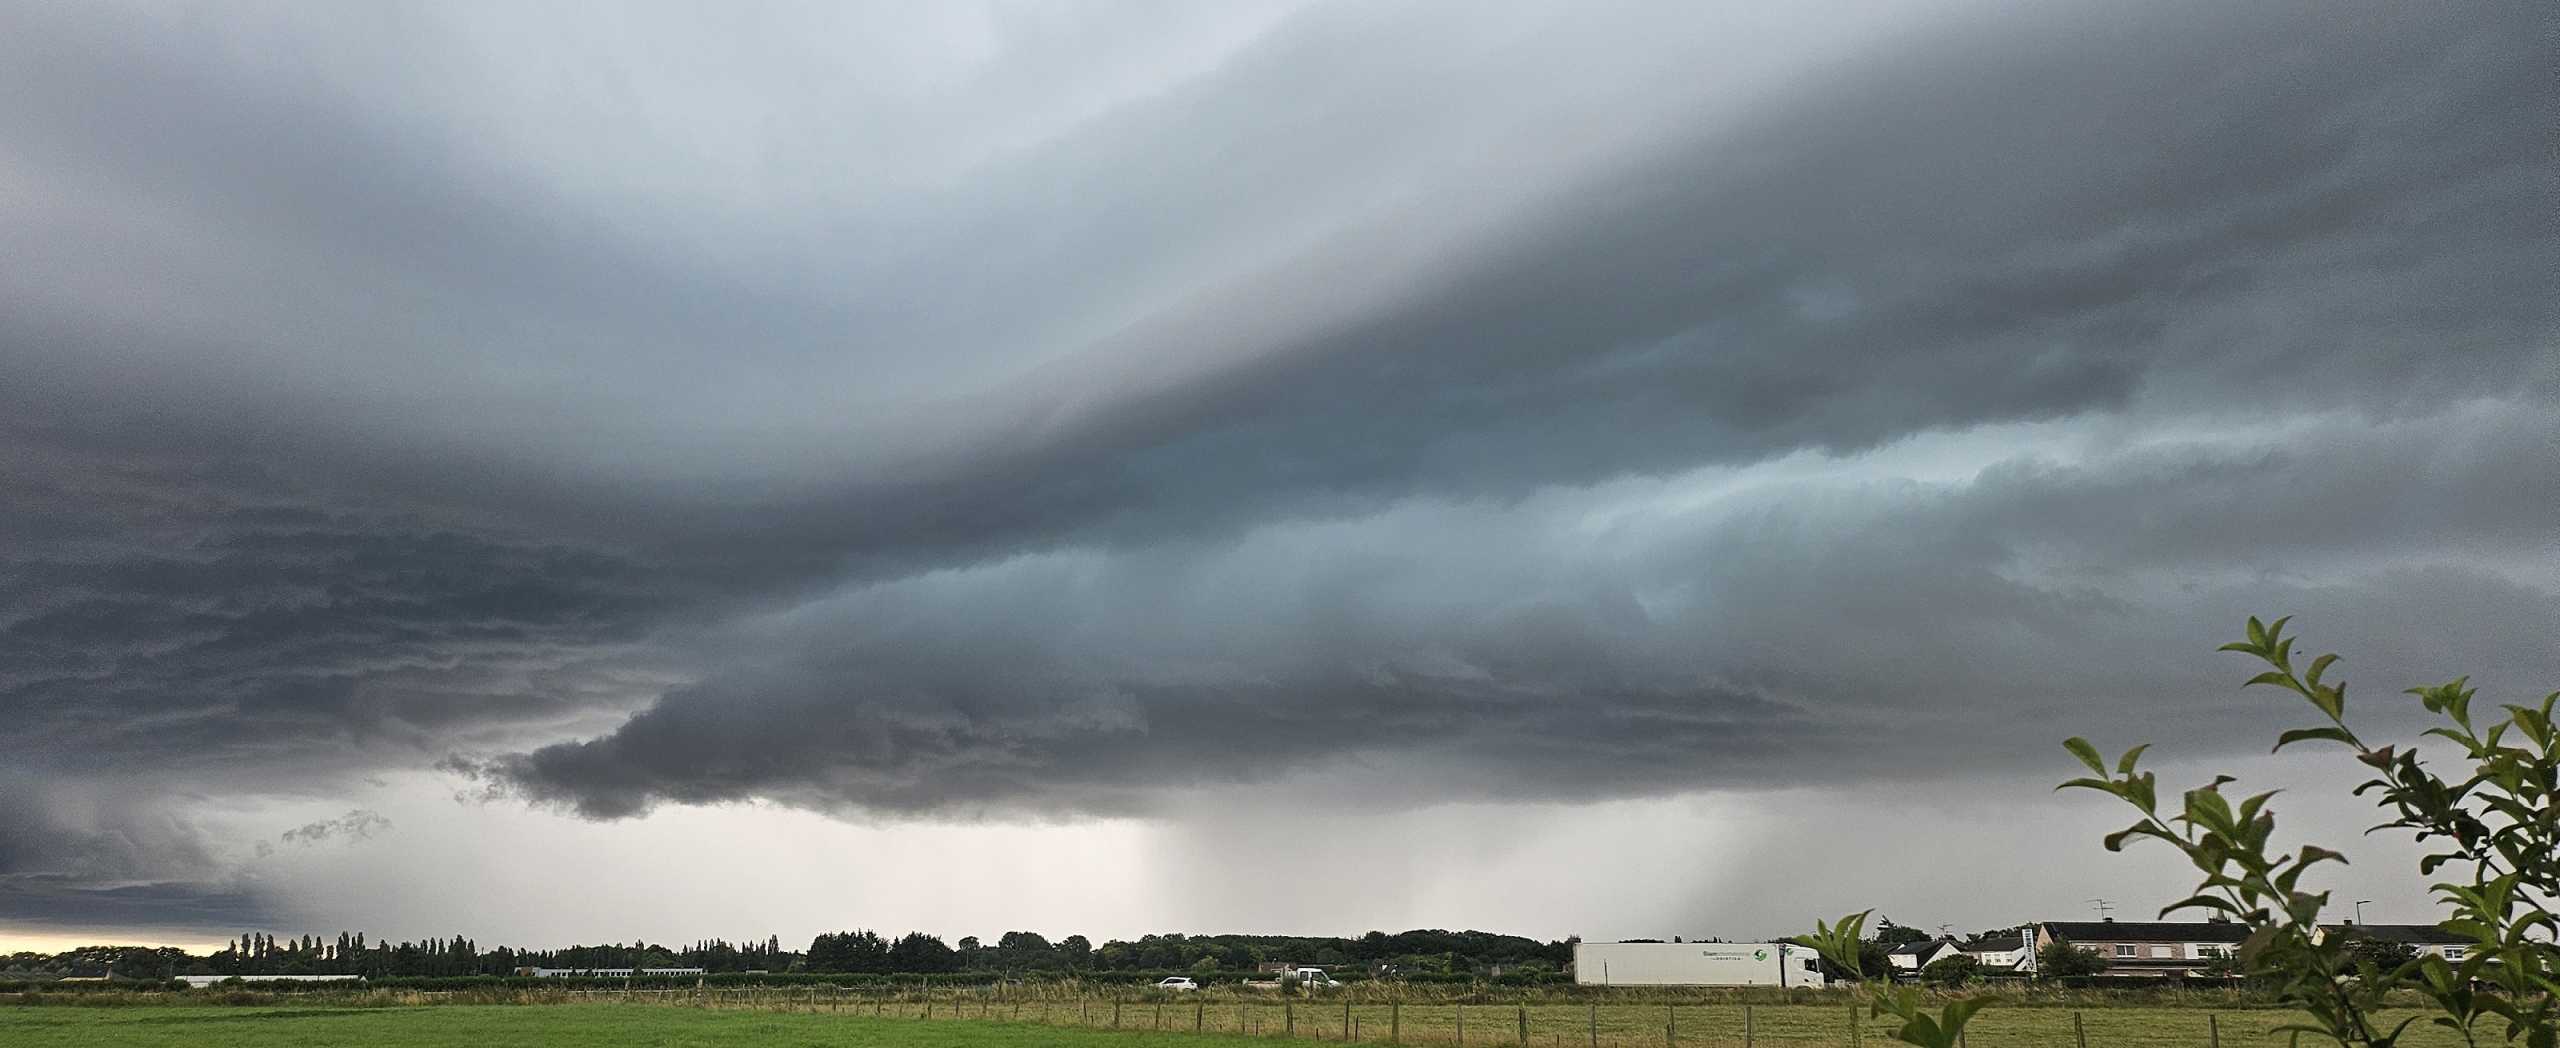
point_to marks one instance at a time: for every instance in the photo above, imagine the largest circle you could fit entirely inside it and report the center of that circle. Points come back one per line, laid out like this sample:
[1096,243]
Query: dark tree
[921,953]
[857,951]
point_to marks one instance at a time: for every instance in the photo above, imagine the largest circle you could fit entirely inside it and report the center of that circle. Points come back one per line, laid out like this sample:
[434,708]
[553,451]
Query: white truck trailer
[1695,964]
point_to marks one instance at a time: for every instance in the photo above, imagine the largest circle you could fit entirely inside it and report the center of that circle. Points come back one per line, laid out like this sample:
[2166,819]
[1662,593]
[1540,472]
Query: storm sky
[574,472]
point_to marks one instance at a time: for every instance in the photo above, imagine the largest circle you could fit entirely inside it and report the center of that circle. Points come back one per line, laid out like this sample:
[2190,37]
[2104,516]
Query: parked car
[1177,982]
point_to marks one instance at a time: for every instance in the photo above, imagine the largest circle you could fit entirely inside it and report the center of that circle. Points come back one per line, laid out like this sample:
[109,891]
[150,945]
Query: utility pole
[2360,910]
[2103,906]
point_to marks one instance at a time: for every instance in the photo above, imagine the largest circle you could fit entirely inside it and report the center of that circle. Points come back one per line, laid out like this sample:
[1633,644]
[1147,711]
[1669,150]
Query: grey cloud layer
[1331,455]
[1597,643]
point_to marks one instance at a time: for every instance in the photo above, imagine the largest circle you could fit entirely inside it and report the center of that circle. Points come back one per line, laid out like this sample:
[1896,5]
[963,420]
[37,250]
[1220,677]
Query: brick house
[2147,949]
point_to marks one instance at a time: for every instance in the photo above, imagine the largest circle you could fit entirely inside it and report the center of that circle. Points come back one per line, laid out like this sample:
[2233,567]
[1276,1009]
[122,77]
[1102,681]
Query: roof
[2148,931]
[1998,944]
[2411,934]
[1922,948]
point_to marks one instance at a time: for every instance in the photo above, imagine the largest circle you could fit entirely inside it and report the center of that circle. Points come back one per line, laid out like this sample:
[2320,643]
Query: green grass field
[663,1026]
[507,1026]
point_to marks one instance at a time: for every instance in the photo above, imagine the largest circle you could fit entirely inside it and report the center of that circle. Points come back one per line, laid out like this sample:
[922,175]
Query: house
[2003,953]
[2148,949]
[2424,938]
[1909,957]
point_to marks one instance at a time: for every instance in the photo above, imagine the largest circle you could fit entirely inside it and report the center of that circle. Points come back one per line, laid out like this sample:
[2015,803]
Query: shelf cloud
[974,412]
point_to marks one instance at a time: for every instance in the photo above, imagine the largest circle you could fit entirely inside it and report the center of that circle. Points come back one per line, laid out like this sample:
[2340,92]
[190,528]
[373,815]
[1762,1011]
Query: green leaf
[2087,753]
[2319,666]
[2308,734]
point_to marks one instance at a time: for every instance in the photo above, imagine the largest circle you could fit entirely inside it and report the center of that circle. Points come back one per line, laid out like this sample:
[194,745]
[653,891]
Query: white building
[202,981]
[2003,953]
[1908,958]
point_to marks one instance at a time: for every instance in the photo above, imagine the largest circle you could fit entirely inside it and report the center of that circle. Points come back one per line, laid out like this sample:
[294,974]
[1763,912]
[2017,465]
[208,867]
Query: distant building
[1908,958]
[2148,949]
[605,973]
[202,981]
[2003,953]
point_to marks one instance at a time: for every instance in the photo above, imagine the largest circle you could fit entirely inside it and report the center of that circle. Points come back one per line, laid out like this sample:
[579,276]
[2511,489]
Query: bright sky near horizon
[580,472]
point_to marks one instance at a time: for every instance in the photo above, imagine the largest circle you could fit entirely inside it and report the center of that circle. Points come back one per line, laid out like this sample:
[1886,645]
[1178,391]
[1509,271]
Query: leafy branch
[1839,943]
[2499,822]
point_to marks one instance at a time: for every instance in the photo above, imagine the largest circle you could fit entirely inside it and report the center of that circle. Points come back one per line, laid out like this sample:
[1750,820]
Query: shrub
[2495,823]
[1952,970]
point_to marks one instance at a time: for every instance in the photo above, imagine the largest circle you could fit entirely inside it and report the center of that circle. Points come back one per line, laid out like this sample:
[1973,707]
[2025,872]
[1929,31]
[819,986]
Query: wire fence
[1369,1015]
[1593,1024]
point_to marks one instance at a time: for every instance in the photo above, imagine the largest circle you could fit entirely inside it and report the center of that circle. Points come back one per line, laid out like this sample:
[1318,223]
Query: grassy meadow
[679,1020]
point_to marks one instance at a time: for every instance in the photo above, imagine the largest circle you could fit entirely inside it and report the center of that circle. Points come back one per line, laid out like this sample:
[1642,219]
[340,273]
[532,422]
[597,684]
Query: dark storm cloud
[2233,210]
[101,854]
[2262,291]
[1867,629]
[163,610]
[2050,221]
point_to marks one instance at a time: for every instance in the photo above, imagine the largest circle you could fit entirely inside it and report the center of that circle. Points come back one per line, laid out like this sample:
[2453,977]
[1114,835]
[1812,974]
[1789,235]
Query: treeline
[1421,952]
[254,955]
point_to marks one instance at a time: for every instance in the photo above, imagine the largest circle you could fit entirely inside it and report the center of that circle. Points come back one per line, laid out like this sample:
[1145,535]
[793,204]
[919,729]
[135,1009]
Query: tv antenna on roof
[2103,906]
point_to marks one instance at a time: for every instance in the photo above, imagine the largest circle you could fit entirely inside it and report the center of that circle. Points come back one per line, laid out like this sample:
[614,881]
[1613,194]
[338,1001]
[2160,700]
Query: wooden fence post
[1524,1024]
[2213,1025]
[1595,1024]
[1746,1026]
[2078,1032]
